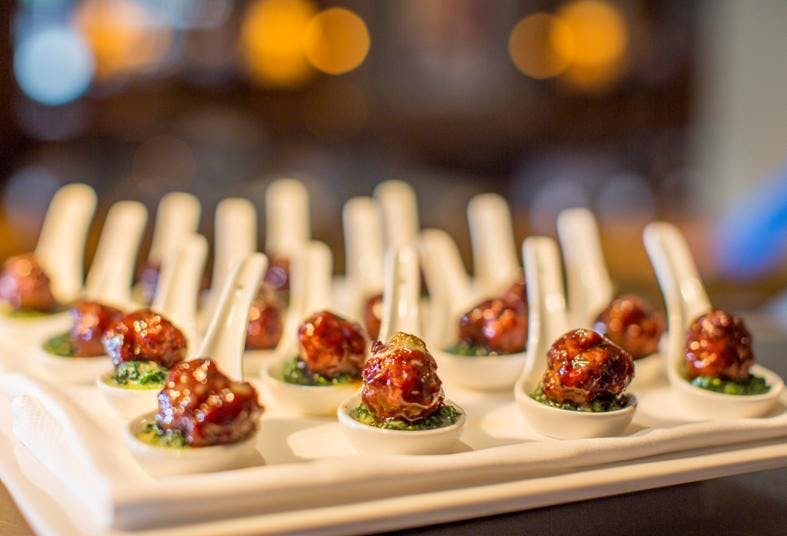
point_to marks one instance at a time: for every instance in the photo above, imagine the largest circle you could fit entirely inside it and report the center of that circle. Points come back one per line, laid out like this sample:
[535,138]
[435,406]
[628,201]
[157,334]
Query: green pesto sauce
[27,313]
[154,435]
[755,385]
[597,406]
[445,416]
[60,345]
[297,372]
[138,375]
[466,349]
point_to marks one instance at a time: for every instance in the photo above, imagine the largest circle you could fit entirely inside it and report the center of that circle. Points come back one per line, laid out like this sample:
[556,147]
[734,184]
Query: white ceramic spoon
[548,321]
[176,299]
[400,314]
[590,287]
[108,282]
[687,299]
[177,218]
[60,250]
[235,237]
[495,261]
[400,212]
[223,343]
[315,295]
[364,251]
[451,296]
[287,227]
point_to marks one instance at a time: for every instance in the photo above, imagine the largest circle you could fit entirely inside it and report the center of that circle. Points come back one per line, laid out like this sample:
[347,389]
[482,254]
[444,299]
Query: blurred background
[640,109]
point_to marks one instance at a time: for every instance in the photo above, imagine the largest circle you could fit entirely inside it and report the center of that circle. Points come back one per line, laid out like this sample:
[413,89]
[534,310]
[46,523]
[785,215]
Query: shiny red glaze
[496,326]
[516,296]
[277,276]
[718,345]
[144,335]
[331,345]
[583,366]
[266,322]
[631,323]
[206,406]
[400,380]
[148,281]
[91,321]
[372,315]
[25,285]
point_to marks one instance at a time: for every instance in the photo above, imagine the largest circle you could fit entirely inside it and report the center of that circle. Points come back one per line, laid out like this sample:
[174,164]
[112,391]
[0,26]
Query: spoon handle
[176,296]
[400,212]
[319,273]
[449,285]
[401,292]
[235,237]
[225,338]
[111,274]
[363,238]
[492,237]
[177,217]
[590,287]
[61,244]
[286,217]
[547,319]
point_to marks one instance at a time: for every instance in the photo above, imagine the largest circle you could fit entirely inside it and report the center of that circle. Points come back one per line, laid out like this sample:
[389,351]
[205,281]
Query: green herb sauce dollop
[296,371]
[142,375]
[755,385]
[154,435]
[60,345]
[597,406]
[445,416]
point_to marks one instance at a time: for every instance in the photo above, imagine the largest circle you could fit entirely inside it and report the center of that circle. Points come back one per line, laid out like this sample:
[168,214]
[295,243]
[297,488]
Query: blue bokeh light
[53,65]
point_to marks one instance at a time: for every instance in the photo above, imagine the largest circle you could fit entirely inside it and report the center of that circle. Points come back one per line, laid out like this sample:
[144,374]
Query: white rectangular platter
[309,478]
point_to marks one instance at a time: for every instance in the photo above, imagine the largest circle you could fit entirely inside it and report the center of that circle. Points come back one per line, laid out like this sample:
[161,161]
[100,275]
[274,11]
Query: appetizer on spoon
[628,320]
[326,367]
[34,287]
[710,362]
[573,387]
[401,408]
[145,344]
[207,418]
[77,354]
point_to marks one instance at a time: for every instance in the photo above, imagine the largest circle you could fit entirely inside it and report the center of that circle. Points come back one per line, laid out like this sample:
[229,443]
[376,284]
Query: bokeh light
[27,195]
[336,41]
[272,37]
[530,46]
[123,35]
[53,66]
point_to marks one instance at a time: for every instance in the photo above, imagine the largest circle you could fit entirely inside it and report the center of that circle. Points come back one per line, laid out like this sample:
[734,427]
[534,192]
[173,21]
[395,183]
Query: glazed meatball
[266,321]
[583,366]
[331,345]
[718,345]
[147,282]
[206,406]
[91,321]
[277,276]
[372,315]
[516,296]
[400,380]
[631,323]
[144,335]
[25,285]
[496,326]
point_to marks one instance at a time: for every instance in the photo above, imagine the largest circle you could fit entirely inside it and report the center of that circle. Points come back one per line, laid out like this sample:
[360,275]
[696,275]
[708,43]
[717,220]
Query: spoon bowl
[127,403]
[483,373]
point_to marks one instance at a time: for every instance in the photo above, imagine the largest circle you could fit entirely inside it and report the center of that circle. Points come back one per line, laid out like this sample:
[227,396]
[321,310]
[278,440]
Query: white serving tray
[325,487]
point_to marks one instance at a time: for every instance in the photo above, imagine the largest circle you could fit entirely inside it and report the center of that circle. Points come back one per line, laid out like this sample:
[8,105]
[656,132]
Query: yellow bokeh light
[336,41]
[272,36]
[121,34]
[530,46]
[594,34]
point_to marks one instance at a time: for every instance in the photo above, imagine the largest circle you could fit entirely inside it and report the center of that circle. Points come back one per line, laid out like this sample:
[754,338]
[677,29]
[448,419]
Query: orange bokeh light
[336,41]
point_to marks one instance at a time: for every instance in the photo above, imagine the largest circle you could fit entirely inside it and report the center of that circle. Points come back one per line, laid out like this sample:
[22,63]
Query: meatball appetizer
[631,323]
[401,388]
[143,346]
[200,406]
[495,327]
[90,321]
[266,321]
[25,286]
[332,352]
[373,315]
[586,372]
[718,355]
